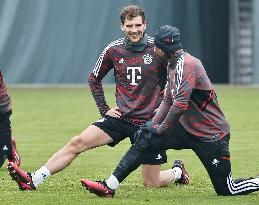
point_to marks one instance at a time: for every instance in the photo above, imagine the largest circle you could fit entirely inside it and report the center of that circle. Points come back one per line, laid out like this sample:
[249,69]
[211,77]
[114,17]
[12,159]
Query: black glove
[149,127]
[143,137]
[138,135]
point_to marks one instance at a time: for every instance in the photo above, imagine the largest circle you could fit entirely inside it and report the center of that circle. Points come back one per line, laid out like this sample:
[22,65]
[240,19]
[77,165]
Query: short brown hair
[130,12]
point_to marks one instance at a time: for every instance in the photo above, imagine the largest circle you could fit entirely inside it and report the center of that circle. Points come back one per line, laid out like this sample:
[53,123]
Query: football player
[7,143]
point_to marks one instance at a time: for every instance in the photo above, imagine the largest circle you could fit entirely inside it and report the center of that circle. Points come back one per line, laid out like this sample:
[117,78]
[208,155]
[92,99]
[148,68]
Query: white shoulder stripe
[179,73]
[150,39]
[100,59]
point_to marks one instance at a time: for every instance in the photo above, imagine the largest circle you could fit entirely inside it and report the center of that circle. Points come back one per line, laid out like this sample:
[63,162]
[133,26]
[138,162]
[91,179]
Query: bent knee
[223,191]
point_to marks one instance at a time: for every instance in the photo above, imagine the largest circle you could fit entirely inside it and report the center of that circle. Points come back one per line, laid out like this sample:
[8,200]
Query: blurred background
[59,41]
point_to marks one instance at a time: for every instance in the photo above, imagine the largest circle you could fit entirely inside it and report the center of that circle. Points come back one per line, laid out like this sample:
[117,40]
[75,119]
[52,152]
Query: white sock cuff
[45,170]
[40,175]
[112,182]
[177,172]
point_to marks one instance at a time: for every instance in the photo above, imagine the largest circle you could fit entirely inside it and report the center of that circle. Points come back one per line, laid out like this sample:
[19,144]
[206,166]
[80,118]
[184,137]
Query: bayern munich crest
[147,59]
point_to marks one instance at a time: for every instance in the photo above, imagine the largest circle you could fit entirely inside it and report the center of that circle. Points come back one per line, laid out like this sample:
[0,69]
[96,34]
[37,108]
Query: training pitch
[44,119]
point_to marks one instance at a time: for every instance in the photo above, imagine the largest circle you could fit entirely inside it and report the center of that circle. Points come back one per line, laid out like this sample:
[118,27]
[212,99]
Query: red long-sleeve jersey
[5,101]
[140,77]
[190,98]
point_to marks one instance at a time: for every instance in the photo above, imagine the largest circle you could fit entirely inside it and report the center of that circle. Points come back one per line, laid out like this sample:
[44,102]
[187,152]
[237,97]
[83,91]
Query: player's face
[159,52]
[134,29]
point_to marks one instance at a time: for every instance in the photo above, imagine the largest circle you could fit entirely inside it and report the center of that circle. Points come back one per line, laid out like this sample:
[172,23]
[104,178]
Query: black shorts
[119,129]
[5,137]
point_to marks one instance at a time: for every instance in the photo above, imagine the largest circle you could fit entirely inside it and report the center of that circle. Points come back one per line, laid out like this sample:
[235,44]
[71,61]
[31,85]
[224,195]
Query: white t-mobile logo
[133,76]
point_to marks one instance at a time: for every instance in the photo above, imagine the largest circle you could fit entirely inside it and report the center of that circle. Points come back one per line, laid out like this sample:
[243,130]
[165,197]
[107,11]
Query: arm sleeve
[164,107]
[102,67]
[184,87]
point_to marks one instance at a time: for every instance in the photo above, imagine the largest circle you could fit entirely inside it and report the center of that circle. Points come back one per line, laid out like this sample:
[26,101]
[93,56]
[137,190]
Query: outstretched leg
[90,138]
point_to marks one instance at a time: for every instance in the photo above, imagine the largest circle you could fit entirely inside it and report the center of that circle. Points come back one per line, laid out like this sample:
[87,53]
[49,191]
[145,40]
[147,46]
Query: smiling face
[134,28]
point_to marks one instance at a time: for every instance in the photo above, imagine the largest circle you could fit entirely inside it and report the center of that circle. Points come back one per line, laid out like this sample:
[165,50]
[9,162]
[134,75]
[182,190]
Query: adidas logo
[101,120]
[159,156]
[121,61]
[215,162]
[5,148]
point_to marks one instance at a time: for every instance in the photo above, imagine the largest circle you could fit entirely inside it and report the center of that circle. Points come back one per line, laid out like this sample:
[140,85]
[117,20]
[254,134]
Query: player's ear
[145,25]
[122,27]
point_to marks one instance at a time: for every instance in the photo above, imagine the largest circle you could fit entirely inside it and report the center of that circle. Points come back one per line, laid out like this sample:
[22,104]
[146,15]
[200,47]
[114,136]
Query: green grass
[44,119]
